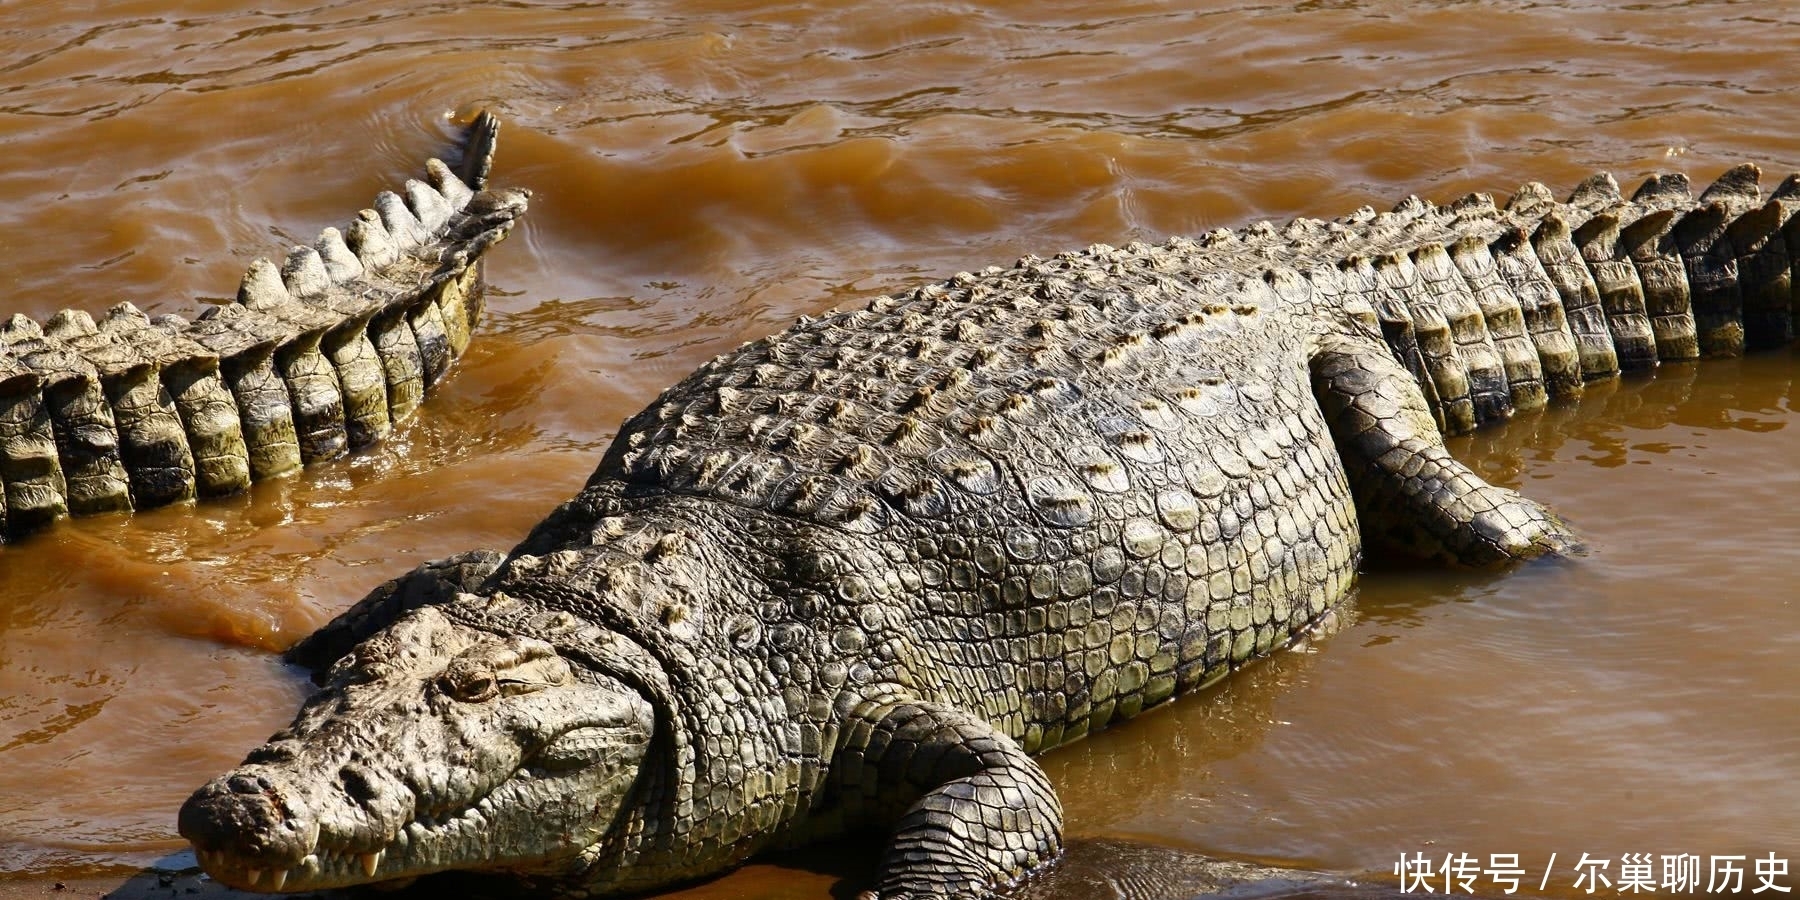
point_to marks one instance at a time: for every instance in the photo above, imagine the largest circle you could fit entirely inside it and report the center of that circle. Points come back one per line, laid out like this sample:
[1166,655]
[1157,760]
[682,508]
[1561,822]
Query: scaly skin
[319,356]
[854,575]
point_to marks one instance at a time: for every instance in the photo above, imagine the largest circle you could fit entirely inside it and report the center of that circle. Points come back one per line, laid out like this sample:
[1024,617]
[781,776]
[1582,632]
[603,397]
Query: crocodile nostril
[358,784]
[245,784]
[273,752]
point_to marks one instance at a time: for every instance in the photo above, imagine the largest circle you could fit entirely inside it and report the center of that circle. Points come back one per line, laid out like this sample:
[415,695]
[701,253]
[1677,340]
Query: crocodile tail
[1497,309]
[320,354]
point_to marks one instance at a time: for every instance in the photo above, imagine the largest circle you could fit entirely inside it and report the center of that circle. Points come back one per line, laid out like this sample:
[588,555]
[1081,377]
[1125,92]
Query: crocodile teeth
[277,879]
[371,862]
[254,876]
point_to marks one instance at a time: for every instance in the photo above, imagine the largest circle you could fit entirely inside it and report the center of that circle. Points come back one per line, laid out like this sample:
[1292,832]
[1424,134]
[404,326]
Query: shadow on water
[1113,869]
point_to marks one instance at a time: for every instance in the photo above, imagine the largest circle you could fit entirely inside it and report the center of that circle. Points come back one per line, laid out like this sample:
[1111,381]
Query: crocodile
[322,354]
[854,576]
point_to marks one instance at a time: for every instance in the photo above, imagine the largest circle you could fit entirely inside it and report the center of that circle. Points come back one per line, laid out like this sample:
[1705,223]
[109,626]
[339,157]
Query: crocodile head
[432,746]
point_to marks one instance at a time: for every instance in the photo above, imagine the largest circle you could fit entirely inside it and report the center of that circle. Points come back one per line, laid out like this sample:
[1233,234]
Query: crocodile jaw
[433,746]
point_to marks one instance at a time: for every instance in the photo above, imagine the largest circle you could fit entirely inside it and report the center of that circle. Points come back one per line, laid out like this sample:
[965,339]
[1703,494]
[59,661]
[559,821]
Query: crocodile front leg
[1410,493]
[978,812]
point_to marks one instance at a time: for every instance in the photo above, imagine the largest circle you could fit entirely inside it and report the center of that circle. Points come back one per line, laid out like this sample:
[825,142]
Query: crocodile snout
[245,830]
[432,745]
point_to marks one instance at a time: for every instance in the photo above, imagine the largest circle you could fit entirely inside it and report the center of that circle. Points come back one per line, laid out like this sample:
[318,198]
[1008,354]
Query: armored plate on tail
[321,354]
[854,575]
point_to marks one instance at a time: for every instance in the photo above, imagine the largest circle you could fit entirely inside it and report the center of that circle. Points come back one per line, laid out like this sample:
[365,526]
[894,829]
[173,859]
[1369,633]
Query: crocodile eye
[469,686]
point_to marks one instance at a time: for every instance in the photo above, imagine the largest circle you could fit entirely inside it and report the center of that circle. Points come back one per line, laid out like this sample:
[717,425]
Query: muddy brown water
[707,171]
